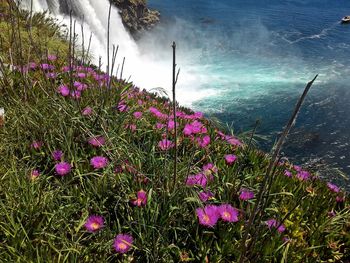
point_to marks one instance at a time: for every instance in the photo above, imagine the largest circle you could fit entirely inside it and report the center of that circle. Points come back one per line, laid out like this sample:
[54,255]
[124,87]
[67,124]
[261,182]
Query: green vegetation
[58,118]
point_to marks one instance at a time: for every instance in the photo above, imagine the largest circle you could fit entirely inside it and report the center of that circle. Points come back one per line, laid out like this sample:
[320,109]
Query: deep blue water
[252,59]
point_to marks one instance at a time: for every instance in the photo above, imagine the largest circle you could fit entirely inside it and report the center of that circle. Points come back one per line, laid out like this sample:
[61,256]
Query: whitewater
[144,69]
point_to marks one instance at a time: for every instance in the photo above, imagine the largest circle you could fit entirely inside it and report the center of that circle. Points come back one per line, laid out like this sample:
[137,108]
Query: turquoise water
[253,59]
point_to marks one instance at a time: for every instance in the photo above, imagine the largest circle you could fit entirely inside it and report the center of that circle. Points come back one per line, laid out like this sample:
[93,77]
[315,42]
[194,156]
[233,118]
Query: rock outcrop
[136,16]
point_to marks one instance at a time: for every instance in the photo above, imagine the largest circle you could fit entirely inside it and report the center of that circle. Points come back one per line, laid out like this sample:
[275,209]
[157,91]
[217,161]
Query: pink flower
[208,216]
[303,175]
[75,94]
[131,127]
[159,126]
[230,159]
[233,141]
[198,179]
[99,162]
[94,223]
[205,195]
[57,155]
[246,195]
[273,223]
[333,188]
[51,57]
[36,145]
[34,174]
[63,168]
[228,213]
[51,75]
[141,199]
[86,111]
[123,243]
[287,173]
[137,115]
[340,199]
[122,107]
[165,145]
[97,141]
[203,142]
[63,90]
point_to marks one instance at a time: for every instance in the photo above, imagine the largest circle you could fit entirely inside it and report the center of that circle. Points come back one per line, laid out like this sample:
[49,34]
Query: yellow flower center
[227,215]
[206,219]
[95,226]
[122,246]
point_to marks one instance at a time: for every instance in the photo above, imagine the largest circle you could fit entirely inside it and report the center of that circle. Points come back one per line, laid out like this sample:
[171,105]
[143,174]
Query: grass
[43,217]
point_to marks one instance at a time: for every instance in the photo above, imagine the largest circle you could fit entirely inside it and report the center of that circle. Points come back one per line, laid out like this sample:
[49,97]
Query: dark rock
[136,16]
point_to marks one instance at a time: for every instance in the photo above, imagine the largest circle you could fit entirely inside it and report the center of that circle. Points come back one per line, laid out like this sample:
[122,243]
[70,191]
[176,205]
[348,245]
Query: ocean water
[245,60]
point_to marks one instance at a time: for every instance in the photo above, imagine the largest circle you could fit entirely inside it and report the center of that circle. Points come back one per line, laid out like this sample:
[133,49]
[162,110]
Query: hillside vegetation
[87,171]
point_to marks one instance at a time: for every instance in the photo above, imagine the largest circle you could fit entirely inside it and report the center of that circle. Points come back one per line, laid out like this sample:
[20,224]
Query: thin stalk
[272,164]
[174,112]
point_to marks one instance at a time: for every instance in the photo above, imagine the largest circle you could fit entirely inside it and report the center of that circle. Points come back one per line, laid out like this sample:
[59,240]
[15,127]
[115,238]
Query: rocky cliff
[136,16]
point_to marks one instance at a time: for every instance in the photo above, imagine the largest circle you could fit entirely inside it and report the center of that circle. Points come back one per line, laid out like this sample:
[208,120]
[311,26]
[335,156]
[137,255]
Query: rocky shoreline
[136,16]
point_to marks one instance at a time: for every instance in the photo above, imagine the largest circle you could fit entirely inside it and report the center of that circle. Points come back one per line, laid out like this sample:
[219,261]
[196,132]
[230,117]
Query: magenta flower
[34,174]
[333,188]
[86,111]
[123,243]
[159,126]
[63,168]
[233,141]
[230,159]
[36,145]
[97,141]
[57,155]
[208,216]
[51,57]
[228,213]
[141,199]
[303,175]
[94,223]
[297,168]
[340,199]
[287,173]
[75,94]
[165,145]
[51,75]
[122,107]
[63,90]
[47,66]
[246,195]
[273,223]
[205,195]
[198,179]
[203,142]
[137,115]
[99,162]
[81,75]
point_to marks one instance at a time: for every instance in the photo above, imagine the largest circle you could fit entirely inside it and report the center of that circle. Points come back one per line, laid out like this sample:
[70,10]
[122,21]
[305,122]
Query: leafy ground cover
[87,172]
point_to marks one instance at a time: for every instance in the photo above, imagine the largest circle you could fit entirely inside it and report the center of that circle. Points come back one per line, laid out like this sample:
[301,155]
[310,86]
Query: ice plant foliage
[94,223]
[123,243]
